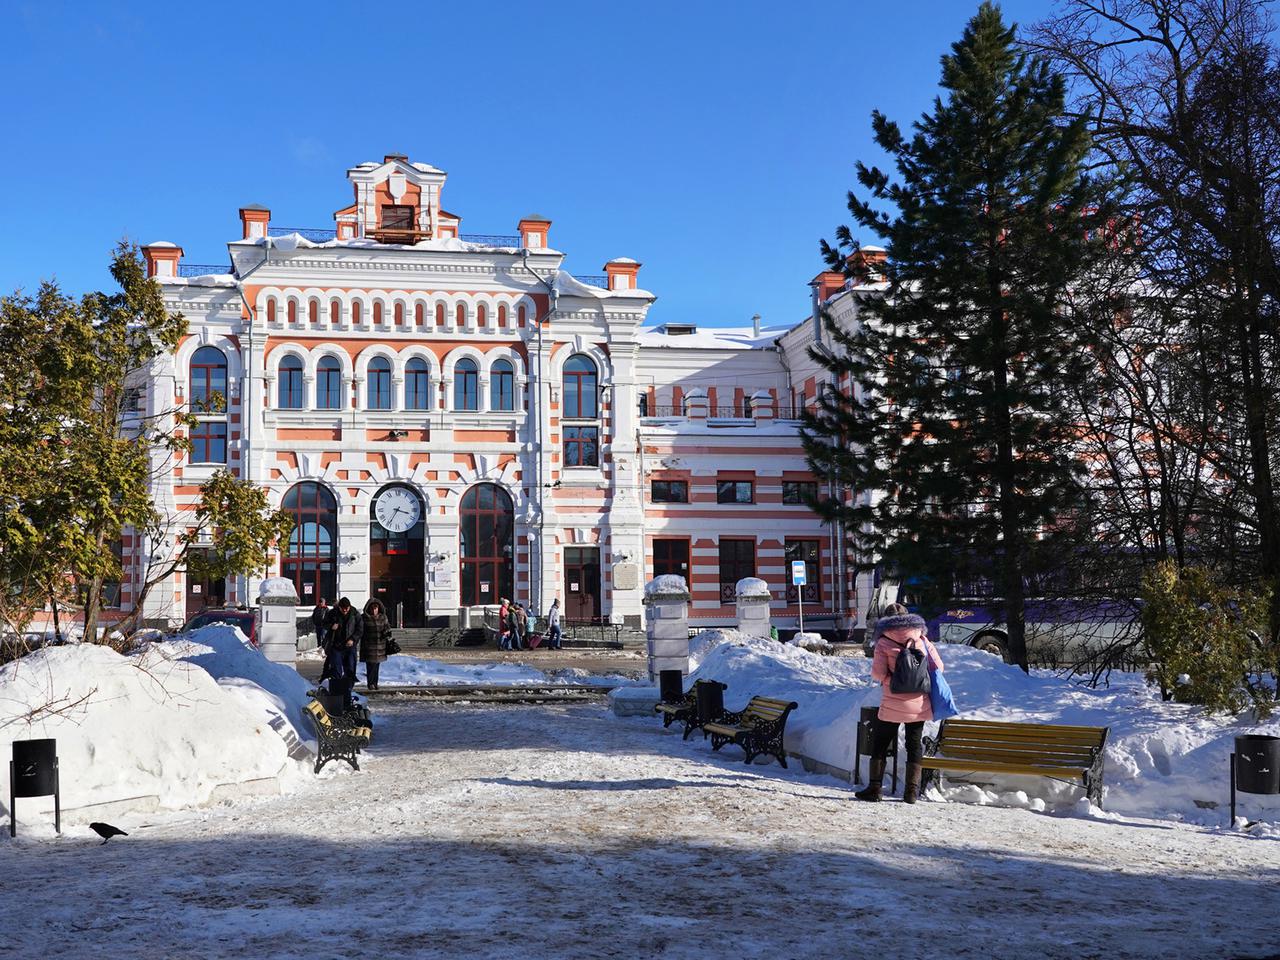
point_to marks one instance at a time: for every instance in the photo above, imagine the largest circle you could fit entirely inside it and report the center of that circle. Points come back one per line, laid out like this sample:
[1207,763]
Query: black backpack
[911,672]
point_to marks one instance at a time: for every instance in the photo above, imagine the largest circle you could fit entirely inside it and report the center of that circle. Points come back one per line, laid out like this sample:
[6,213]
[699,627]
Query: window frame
[198,397]
[574,372]
[737,484]
[417,375]
[668,562]
[573,438]
[205,435]
[502,386]
[466,384]
[728,588]
[813,568]
[329,383]
[653,491]
[291,374]
[799,499]
[378,389]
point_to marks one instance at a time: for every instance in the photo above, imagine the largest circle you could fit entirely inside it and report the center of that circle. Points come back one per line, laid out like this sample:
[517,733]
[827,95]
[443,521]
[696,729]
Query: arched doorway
[397,573]
[486,537]
[311,559]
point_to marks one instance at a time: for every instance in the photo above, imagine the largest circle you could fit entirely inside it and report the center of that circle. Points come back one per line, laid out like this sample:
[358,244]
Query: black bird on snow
[106,831]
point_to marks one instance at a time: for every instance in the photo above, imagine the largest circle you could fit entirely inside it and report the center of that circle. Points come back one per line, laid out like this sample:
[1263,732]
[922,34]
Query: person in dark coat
[345,629]
[373,641]
[319,618]
[513,625]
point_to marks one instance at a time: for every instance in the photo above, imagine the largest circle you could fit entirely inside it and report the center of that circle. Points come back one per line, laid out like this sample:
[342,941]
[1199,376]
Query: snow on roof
[872,248]
[666,585]
[711,338]
[296,241]
[424,167]
[207,280]
[624,260]
[160,243]
[566,285]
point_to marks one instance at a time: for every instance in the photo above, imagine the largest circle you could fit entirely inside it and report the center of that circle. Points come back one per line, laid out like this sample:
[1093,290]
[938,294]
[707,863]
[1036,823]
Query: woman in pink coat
[896,631]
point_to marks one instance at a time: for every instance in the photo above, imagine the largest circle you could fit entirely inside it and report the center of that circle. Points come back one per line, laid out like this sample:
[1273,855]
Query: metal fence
[593,280]
[202,269]
[314,234]
[491,239]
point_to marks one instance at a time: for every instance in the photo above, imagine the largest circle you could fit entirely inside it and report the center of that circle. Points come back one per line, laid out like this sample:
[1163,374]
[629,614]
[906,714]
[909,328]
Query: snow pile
[165,726]
[753,588]
[277,588]
[1162,760]
[708,640]
[403,670]
[810,641]
[666,585]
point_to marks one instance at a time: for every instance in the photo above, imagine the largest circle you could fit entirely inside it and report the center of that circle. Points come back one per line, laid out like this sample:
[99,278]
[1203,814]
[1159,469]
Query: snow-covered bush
[1199,635]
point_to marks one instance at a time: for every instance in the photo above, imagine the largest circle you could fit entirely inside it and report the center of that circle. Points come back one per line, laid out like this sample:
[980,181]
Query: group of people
[348,636]
[516,623]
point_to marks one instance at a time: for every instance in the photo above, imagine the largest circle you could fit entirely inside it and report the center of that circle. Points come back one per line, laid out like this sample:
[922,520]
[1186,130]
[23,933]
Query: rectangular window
[799,491]
[735,491]
[671,556]
[737,560]
[669,491]
[810,551]
[209,442]
[581,446]
[397,217]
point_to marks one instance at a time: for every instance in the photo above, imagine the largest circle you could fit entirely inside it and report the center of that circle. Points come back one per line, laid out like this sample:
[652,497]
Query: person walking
[318,617]
[345,628]
[504,630]
[553,625]
[513,626]
[897,631]
[375,632]
[522,623]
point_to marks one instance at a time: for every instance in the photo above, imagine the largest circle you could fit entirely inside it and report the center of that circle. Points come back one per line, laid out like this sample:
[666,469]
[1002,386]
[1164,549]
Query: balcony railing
[734,412]
[491,239]
[202,269]
[313,234]
[593,280]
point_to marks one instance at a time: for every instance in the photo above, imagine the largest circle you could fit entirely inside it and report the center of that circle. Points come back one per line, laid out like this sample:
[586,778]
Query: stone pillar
[696,406]
[666,601]
[762,406]
[753,598]
[278,620]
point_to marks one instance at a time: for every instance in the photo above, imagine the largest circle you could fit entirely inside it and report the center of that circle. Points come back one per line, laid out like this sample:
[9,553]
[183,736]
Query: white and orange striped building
[453,419]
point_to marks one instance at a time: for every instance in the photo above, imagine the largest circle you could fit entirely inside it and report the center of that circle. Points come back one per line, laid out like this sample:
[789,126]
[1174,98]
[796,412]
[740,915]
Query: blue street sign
[799,573]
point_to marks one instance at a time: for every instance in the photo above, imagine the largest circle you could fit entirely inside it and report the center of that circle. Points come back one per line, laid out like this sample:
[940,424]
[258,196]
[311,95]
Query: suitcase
[534,640]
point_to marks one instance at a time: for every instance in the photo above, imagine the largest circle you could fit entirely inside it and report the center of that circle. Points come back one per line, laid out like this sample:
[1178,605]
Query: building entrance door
[582,583]
[203,592]
[397,569]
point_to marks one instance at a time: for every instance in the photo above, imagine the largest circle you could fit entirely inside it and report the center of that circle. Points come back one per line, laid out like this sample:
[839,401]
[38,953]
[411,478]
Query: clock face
[397,510]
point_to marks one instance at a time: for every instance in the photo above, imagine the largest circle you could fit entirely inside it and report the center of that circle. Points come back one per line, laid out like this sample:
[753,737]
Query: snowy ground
[566,832]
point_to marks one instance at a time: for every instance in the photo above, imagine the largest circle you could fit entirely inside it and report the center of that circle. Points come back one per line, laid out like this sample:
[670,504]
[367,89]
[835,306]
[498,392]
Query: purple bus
[1058,631]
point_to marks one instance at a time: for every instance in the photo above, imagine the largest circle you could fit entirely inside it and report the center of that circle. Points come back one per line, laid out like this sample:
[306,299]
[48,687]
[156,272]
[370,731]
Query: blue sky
[712,141]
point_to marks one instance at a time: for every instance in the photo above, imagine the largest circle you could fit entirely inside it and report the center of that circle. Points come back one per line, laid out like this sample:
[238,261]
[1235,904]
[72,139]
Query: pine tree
[960,423]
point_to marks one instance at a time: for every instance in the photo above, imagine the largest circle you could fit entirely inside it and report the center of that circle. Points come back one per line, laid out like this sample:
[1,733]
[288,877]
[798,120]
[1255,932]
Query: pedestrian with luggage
[345,629]
[504,631]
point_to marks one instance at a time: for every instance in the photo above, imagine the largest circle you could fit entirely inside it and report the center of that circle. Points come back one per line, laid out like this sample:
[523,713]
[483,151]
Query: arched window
[417,385]
[502,314]
[290,395]
[208,381]
[581,386]
[379,377]
[329,384]
[439,314]
[502,386]
[466,385]
[460,314]
[311,559]
[486,539]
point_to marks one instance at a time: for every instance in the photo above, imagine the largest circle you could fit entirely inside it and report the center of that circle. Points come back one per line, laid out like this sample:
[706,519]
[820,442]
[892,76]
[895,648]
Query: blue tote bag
[941,701]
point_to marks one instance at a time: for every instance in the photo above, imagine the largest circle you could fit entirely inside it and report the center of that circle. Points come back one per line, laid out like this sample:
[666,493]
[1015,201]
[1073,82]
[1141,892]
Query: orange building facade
[454,419]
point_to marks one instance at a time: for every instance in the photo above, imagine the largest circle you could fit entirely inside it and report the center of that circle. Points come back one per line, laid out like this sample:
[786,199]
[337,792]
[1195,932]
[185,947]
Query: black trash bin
[1257,763]
[33,772]
[671,685]
[710,701]
[334,703]
[865,743]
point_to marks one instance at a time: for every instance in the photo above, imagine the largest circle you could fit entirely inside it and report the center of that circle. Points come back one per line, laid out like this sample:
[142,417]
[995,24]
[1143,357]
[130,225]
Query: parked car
[246,620]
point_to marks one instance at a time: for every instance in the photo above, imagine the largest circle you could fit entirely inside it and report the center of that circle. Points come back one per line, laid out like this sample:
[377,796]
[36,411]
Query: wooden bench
[1029,749]
[757,729]
[337,738]
[684,710]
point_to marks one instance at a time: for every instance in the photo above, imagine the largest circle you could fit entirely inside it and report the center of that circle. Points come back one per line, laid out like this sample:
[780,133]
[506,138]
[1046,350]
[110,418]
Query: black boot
[875,779]
[911,792]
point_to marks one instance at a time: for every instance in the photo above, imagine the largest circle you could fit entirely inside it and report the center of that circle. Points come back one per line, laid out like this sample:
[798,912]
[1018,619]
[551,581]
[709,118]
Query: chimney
[866,264]
[533,232]
[755,326]
[826,283]
[253,221]
[622,272]
[162,258]
[402,157]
